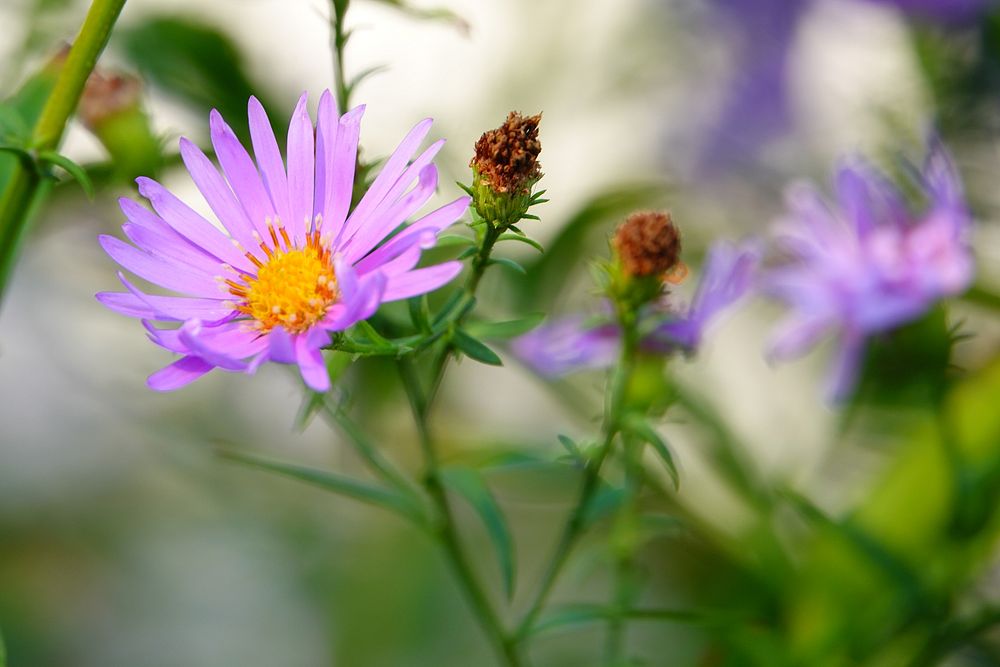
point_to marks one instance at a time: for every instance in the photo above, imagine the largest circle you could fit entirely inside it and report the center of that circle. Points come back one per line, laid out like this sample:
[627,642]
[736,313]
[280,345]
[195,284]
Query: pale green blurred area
[125,542]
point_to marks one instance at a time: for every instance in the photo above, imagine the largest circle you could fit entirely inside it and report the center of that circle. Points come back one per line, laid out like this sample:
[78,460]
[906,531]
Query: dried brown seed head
[107,94]
[507,157]
[648,244]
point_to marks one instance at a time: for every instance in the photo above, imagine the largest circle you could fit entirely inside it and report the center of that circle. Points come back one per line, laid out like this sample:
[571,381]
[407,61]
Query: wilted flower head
[507,158]
[297,264]
[505,169]
[107,94]
[575,343]
[870,265]
[648,244]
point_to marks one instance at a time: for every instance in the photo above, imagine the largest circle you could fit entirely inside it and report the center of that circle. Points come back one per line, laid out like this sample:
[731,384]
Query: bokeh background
[125,541]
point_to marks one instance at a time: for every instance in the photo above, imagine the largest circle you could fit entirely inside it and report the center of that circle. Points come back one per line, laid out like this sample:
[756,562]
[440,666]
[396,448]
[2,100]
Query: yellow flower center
[293,288]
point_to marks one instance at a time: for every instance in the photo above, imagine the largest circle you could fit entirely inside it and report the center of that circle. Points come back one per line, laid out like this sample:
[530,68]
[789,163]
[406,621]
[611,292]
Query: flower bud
[505,168]
[111,108]
[646,254]
[648,244]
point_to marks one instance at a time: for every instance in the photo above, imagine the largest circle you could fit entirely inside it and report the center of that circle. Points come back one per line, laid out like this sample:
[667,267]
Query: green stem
[371,454]
[20,197]
[340,37]
[614,406]
[625,584]
[446,530]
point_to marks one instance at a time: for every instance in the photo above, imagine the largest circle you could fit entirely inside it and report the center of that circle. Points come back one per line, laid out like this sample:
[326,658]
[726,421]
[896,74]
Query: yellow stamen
[294,288]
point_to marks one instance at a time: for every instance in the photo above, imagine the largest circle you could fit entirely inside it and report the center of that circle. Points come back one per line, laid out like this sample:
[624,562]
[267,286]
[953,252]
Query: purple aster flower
[575,343]
[296,264]
[757,108]
[870,266]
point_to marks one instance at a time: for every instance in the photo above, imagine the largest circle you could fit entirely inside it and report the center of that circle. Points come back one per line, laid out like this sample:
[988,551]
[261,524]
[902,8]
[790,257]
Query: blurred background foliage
[801,535]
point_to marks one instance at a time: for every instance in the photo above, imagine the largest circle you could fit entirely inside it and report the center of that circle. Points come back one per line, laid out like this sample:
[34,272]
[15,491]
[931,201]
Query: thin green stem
[372,455]
[340,37]
[624,540]
[21,195]
[446,530]
[613,412]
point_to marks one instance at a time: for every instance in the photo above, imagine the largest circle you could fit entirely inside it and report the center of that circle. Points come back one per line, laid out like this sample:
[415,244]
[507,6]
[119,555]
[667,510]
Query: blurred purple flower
[295,265]
[575,343]
[870,266]
[756,109]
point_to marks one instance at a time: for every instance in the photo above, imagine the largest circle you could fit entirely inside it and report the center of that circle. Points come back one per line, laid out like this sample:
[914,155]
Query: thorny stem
[613,412]
[421,403]
[19,200]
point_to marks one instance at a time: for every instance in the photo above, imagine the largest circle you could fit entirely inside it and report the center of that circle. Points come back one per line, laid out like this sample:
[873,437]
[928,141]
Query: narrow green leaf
[3,652]
[569,616]
[468,252]
[604,502]
[642,429]
[510,264]
[469,484]
[508,236]
[579,614]
[16,150]
[420,312]
[334,482]
[570,446]
[504,330]
[465,188]
[72,168]
[337,363]
[475,349]
[364,74]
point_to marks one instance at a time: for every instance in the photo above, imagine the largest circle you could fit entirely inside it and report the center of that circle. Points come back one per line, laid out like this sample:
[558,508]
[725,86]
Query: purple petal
[420,281]
[218,195]
[301,183]
[326,140]
[178,374]
[311,365]
[386,179]
[190,225]
[159,271]
[342,165]
[567,346]
[241,173]
[272,169]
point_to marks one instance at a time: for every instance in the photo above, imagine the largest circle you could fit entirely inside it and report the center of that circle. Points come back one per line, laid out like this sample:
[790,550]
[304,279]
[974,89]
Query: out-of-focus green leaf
[201,66]
[72,168]
[449,240]
[512,236]
[431,14]
[578,614]
[468,483]
[642,429]
[20,112]
[504,330]
[340,484]
[510,264]
[603,503]
[475,349]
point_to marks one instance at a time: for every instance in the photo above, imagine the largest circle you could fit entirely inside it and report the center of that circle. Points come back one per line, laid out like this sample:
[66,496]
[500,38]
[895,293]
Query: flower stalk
[18,201]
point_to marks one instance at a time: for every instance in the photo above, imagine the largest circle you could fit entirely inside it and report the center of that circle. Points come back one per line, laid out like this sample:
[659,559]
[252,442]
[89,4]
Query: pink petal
[190,225]
[218,195]
[178,374]
[265,148]
[301,185]
[420,281]
[342,164]
[241,173]
[159,271]
[311,365]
